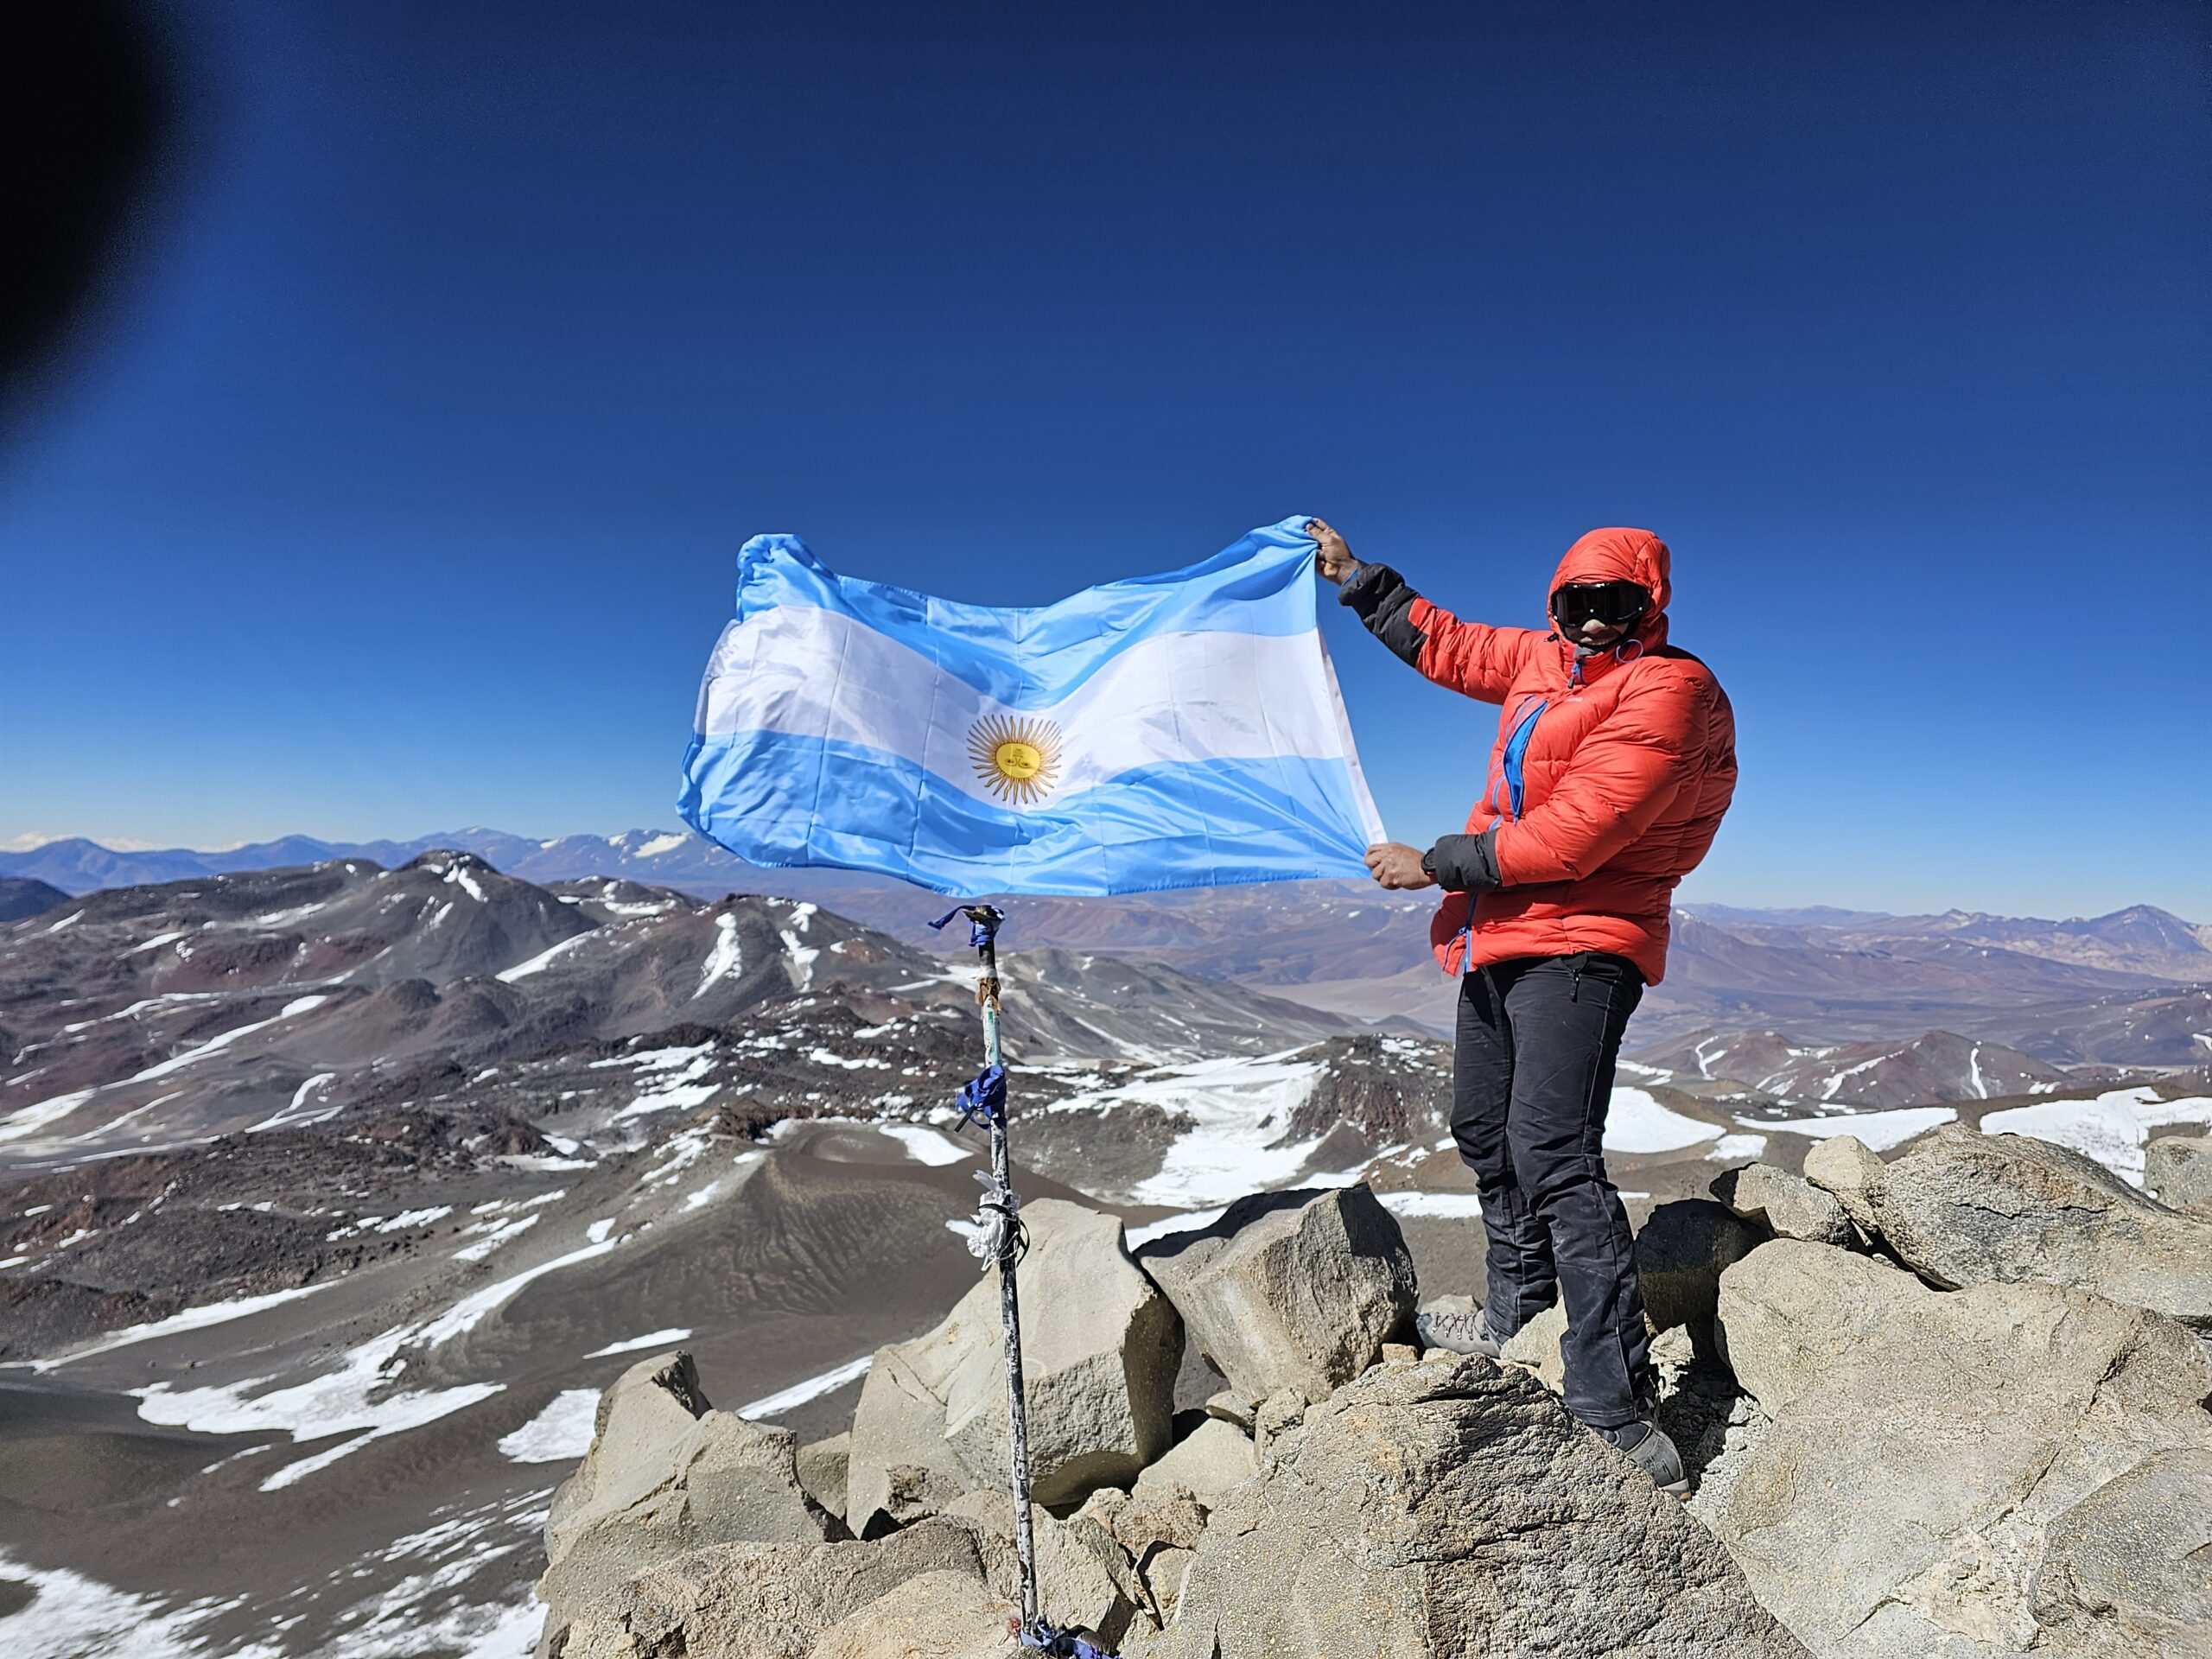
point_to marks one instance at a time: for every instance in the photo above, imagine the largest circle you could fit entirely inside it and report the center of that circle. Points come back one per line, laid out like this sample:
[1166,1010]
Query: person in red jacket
[1615,759]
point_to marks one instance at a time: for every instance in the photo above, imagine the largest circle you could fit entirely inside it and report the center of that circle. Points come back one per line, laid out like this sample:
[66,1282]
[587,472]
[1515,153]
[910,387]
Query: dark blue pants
[1532,1075]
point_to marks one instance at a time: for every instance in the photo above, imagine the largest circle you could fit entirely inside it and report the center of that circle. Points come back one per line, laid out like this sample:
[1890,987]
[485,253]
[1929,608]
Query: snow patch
[351,1399]
[774,1405]
[633,1345]
[802,956]
[72,1617]
[560,1433]
[1451,1205]
[298,1006]
[1192,1220]
[925,1145]
[191,1319]
[538,962]
[1237,1106]
[298,1100]
[2112,1128]
[1636,1121]
[726,959]
[500,1235]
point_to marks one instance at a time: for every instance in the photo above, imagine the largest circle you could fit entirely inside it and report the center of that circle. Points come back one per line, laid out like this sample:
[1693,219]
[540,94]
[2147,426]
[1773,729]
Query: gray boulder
[764,1601]
[2177,1168]
[1159,1531]
[1964,1208]
[1209,1460]
[822,1466]
[1680,1256]
[1455,1509]
[1847,1168]
[1085,1578]
[666,1474]
[2125,1570]
[938,1615]
[1791,1309]
[1279,1294]
[1535,1345]
[1787,1205]
[1926,1446]
[1100,1348]
[899,1466]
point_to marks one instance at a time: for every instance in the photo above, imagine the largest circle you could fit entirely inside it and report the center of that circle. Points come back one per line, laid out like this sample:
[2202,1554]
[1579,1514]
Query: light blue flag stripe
[779,800]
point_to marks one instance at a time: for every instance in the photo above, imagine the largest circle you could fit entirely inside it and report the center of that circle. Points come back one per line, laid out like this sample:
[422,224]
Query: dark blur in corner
[88,104]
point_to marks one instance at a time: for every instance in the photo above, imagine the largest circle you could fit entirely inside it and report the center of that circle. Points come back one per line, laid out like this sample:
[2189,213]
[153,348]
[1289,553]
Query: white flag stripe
[1167,698]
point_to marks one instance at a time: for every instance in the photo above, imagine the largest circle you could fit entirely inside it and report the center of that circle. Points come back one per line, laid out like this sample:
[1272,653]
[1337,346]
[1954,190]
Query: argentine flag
[1180,730]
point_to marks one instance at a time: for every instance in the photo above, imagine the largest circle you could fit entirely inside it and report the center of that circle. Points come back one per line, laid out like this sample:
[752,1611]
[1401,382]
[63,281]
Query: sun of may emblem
[1018,758]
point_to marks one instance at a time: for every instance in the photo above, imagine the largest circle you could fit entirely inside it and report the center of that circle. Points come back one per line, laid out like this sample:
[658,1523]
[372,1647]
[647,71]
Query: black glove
[1465,863]
[1380,598]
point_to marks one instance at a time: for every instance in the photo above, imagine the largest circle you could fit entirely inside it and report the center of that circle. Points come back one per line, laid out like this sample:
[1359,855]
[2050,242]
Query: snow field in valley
[2112,1127]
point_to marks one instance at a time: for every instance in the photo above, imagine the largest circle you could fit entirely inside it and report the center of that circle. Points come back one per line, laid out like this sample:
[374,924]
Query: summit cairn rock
[1100,1348]
[775,1601]
[1084,1574]
[1933,1457]
[1963,1208]
[1282,1294]
[1851,1171]
[1209,1460]
[938,1615]
[1453,1508]
[666,1473]
[1788,1205]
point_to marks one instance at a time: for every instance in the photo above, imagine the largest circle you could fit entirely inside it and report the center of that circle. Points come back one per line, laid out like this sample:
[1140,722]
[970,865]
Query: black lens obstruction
[1619,604]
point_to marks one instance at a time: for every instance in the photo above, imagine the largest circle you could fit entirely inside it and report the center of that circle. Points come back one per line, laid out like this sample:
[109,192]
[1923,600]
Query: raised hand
[1336,561]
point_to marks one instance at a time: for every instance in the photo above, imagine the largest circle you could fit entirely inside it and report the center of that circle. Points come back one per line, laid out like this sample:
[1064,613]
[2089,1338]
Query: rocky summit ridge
[1918,1434]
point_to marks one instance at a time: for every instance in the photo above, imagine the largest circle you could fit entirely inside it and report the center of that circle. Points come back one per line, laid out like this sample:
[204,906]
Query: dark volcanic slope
[148,1015]
[21,898]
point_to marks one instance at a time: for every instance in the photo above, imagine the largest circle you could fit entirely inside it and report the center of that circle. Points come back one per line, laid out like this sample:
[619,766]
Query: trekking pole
[999,1237]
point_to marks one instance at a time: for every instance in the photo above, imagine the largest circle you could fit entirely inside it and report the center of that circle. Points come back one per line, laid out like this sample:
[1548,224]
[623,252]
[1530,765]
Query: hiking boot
[1460,1333]
[1643,1445]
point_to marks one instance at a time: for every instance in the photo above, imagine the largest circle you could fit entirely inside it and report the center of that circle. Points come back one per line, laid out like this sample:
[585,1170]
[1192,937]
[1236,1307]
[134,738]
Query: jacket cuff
[1466,863]
[1383,600]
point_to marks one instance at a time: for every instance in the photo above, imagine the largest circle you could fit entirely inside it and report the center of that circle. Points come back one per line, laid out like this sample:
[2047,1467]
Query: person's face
[1594,635]
[1597,616]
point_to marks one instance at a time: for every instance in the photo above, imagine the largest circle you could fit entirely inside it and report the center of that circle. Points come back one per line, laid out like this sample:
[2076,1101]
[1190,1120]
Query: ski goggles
[1617,604]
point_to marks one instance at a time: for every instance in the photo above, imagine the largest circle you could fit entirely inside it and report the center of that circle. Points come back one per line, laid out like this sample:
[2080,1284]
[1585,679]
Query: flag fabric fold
[1176,730]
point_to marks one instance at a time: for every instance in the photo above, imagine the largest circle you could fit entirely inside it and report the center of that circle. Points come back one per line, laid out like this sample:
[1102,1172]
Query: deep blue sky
[402,490]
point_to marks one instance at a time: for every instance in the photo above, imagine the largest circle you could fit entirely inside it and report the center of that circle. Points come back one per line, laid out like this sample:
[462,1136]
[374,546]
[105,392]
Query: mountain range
[2130,989]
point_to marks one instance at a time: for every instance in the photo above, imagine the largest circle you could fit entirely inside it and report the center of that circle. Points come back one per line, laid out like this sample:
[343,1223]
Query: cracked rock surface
[1931,1456]
[1451,1507]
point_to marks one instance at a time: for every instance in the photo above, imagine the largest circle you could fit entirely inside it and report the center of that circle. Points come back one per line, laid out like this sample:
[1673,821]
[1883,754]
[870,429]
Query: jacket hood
[1619,555]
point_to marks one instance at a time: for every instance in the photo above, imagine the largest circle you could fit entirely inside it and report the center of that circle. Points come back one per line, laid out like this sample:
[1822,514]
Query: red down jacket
[1608,779]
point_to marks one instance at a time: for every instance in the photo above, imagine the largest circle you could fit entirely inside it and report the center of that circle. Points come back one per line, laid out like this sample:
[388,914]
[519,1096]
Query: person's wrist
[1428,863]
